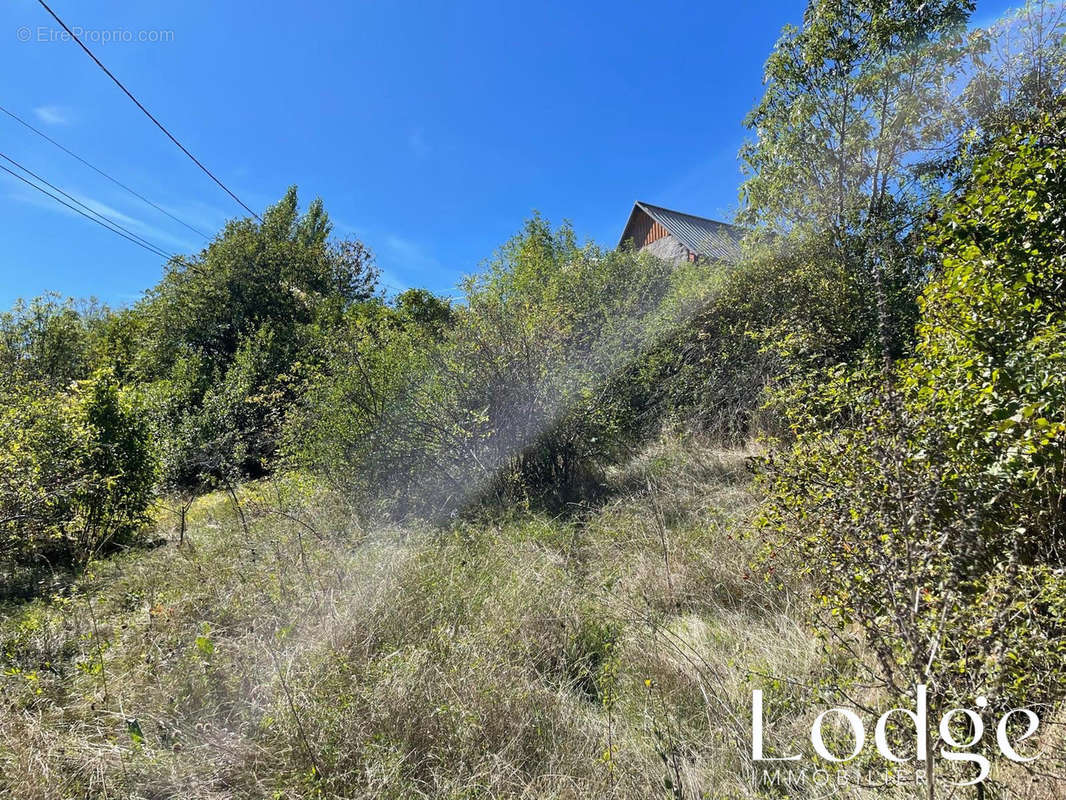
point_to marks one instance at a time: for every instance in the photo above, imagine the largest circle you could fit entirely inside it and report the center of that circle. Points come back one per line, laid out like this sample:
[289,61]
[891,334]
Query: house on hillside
[675,236]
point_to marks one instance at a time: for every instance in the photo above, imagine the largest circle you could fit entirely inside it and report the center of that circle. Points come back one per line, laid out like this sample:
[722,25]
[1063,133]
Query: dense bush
[904,352]
[214,353]
[52,342]
[222,334]
[927,500]
[77,470]
[788,304]
[513,394]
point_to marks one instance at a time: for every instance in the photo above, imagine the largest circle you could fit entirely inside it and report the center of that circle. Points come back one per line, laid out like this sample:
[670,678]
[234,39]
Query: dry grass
[293,655]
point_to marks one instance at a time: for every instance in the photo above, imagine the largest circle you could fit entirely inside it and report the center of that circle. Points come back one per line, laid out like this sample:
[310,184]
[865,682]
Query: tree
[1016,74]
[850,97]
[421,307]
[52,342]
[224,331]
[427,408]
[853,97]
[932,515]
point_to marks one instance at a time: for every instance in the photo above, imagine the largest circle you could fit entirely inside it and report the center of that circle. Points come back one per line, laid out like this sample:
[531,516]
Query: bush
[520,394]
[222,334]
[78,472]
[53,342]
[926,502]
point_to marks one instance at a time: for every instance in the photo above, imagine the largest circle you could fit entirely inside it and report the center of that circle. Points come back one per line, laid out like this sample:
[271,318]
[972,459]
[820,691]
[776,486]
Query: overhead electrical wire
[147,113]
[89,209]
[93,167]
[101,222]
[79,211]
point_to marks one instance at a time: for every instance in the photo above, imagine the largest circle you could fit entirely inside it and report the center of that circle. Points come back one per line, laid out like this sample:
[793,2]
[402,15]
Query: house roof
[705,237]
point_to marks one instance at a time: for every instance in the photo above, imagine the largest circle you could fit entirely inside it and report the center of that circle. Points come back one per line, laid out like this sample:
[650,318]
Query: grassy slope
[293,655]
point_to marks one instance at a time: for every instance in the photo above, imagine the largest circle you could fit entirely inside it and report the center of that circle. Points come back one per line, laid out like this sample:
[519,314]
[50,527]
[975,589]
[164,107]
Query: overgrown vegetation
[78,472]
[535,656]
[508,545]
[511,396]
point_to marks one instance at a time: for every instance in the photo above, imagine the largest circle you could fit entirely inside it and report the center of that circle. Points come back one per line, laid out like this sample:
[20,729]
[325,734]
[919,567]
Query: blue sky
[430,129]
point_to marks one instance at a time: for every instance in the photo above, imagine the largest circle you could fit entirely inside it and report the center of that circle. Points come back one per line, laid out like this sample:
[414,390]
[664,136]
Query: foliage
[78,471]
[849,97]
[830,272]
[361,423]
[500,660]
[1015,72]
[916,477]
[508,394]
[204,367]
[424,309]
[223,333]
[787,303]
[927,501]
[49,341]
[854,98]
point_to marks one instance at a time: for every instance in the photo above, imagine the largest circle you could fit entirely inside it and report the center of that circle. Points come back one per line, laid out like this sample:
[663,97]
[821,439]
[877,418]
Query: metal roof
[705,237]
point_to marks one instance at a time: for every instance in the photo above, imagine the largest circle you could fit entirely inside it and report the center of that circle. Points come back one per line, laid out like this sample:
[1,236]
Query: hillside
[785,518]
[283,651]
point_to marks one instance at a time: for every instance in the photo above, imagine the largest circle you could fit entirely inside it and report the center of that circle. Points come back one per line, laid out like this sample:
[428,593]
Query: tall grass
[283,652]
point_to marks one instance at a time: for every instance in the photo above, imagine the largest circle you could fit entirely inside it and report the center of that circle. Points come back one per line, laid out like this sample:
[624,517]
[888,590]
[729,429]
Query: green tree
[1015,73]
[513,395]
[423,308]
[223,334]
[830,271]
[853,98]
[52,342]
[931,515]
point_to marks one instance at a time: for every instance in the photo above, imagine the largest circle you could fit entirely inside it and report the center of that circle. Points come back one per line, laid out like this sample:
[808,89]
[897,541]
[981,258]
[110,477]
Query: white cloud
[153,234]
[399,256]
[343,227]
[409,254]
[21,193]
[53,115]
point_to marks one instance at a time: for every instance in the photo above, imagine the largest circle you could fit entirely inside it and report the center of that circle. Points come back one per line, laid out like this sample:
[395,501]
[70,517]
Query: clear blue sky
[430,129]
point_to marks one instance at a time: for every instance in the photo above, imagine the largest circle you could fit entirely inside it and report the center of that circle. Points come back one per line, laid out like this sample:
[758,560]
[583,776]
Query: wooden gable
[642,230]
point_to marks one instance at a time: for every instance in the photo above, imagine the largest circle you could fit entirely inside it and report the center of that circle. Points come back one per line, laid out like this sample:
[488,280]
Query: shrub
[52,342]
[926,501]
[519,394]
[223,333]
[78,470]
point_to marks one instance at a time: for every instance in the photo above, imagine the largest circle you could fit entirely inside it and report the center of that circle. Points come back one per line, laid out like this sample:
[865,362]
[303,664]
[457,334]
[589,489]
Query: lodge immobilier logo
[796,767]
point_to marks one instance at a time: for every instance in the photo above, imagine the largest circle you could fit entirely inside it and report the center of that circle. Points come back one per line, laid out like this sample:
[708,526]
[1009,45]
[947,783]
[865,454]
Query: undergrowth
[281,651]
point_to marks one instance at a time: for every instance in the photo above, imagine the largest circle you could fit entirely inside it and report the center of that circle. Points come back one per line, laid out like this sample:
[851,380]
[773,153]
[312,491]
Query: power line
[79,211]
[115,181]
[101,222]
[92,211]
[147,113]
